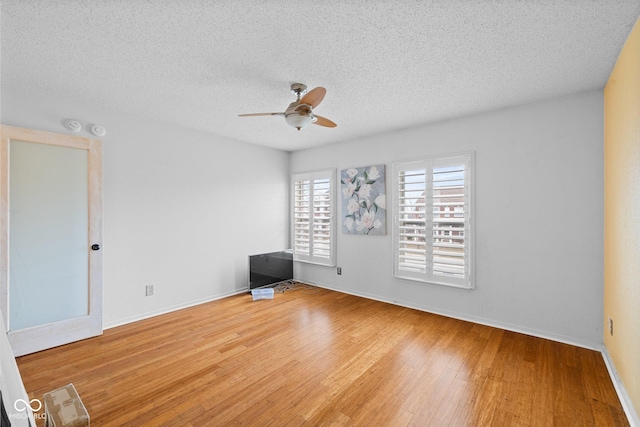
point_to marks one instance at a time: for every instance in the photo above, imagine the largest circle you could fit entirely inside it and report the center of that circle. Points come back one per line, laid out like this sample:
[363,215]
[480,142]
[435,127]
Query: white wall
[539,218]
[182,209]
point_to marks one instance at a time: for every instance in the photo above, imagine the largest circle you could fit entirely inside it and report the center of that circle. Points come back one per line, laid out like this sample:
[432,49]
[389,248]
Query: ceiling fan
[300,112]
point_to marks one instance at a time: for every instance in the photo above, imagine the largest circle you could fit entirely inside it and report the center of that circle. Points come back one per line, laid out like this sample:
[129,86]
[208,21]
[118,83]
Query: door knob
[95,247]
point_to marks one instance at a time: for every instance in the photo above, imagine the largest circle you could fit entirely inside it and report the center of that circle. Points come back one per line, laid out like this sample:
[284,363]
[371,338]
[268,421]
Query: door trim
[38,338]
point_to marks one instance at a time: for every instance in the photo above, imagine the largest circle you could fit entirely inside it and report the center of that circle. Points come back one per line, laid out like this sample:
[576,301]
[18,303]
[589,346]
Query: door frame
[30,340]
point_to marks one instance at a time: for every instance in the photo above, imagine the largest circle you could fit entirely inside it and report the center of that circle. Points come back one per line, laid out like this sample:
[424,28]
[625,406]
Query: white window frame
[425,210]
[318,252]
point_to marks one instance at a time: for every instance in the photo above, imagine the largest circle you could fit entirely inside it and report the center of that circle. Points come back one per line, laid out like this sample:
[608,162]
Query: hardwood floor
[318,357]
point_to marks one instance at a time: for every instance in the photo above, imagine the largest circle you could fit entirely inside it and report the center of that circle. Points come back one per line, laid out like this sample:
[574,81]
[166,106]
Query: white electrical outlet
[149,290]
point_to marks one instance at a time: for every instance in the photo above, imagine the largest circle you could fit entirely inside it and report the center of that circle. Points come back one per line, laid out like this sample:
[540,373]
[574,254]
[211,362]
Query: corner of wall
[625,400]
[11,382]
[621,228]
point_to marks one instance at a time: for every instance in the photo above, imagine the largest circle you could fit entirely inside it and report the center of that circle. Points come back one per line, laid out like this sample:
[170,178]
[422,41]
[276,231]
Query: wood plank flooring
[314,357]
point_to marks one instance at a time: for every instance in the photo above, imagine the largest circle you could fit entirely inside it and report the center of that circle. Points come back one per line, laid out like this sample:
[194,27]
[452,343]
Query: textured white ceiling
[385,64]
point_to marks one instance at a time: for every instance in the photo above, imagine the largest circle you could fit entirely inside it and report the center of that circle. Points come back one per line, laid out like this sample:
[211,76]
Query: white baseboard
[482,321]
[169,309]
[625,399]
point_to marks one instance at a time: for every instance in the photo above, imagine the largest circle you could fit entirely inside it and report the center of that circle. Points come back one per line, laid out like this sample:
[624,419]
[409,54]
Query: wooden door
[50,238]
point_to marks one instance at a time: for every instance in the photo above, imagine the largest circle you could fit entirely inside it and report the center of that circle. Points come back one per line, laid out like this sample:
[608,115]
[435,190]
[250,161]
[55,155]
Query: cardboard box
[63,408]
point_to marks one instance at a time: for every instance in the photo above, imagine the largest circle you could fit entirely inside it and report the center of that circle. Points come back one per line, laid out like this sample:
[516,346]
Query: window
[433,220]
[313,227]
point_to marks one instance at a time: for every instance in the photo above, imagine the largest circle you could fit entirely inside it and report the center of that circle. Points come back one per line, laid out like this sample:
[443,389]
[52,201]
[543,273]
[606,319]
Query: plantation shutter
[432,221]
[313,228]
[302,216]
[448,225]
[411,223]
[321,218]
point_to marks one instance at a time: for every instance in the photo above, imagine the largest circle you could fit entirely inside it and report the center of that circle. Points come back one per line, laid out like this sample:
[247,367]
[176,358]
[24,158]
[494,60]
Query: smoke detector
[73,125]
[98,130]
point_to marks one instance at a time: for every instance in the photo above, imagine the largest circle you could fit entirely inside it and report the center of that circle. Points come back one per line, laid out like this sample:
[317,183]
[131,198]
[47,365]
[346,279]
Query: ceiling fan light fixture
[299,114]
[298,121]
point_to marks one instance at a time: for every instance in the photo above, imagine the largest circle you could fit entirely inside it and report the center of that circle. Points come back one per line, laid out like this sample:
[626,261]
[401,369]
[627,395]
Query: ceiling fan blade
[323,121]
[314,97]
[260,114]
